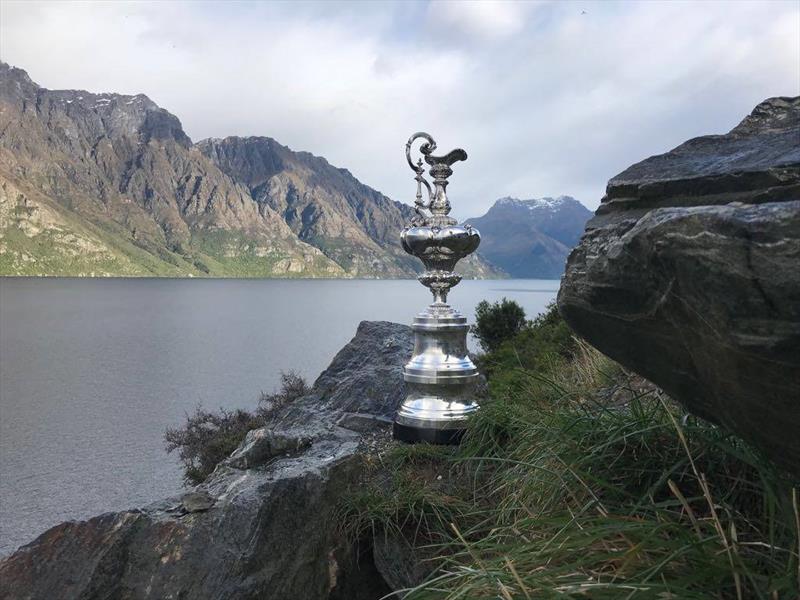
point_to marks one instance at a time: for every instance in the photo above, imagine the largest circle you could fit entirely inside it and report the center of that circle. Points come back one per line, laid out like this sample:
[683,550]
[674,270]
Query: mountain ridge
[531,238]
[124,165]
[324,205]
[106,184]
[110,184]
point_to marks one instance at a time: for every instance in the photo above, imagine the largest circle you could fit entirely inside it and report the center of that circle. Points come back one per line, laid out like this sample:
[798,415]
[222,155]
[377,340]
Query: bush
[293,386]
[208,437]
[497,322]
[537,344]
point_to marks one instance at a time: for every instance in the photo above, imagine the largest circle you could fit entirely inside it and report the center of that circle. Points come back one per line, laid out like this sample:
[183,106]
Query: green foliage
[232,254]
[497,322]
[78,246]
[579,480]
[539,345]
[208,437]
[62,251]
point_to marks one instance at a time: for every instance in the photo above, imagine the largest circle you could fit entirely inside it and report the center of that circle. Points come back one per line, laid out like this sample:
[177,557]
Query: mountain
[109,184]
[531,238]
[325,206]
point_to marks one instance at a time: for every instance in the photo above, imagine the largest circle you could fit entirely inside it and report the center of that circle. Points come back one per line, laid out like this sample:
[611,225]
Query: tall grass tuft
[580,480]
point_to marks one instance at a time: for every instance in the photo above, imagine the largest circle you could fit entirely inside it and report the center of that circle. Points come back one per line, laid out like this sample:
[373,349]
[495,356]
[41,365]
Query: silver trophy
[440,377]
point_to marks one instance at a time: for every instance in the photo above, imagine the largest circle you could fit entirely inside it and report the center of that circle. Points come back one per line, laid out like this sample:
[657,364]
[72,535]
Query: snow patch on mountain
[547,202]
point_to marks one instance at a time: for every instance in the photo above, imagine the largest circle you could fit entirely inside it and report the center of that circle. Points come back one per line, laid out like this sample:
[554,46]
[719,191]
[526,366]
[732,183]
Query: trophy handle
[426,148]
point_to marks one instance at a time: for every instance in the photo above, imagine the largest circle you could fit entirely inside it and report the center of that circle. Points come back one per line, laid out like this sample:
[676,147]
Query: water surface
[93,370]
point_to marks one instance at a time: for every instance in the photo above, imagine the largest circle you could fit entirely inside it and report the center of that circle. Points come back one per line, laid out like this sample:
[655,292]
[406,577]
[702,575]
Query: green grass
[339,250]
[579,480]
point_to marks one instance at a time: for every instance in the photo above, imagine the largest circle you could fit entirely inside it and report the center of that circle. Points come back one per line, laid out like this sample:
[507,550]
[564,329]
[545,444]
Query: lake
[93,370]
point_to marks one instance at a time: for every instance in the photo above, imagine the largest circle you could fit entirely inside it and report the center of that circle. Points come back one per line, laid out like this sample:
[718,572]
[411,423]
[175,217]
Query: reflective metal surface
[440,377]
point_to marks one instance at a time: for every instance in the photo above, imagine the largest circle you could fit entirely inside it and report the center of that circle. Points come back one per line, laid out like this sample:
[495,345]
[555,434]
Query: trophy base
[435,413]
[430,435]
[440,380]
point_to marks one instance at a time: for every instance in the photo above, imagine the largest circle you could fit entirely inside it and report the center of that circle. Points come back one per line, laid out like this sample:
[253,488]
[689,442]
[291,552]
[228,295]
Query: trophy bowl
[440,248]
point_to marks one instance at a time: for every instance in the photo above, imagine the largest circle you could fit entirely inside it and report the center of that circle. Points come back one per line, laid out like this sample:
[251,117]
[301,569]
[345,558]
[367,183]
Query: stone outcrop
[689,274]
[262,525]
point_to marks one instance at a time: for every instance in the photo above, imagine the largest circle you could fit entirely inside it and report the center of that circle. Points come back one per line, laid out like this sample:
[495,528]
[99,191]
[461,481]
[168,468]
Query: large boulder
[262,525]
[689,274]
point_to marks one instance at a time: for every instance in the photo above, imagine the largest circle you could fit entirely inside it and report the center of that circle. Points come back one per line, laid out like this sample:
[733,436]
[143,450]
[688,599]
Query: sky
[547,98]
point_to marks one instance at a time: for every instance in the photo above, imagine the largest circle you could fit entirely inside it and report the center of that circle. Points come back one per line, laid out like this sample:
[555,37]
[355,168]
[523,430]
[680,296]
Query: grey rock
[400,564]
[197,501]
[364,422]
[265,443]
[271,530]
[366,376]
[689,275]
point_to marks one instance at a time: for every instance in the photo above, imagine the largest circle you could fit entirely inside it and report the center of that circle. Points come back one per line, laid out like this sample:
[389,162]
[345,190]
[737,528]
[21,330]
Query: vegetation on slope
[209,437]
[580,480]
[38,236]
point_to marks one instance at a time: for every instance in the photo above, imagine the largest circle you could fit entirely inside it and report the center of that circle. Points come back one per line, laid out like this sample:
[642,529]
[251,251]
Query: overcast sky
[547,98]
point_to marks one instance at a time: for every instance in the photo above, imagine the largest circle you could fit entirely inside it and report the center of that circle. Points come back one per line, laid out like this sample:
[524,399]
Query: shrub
[208,437]
[293,386]
[537,344]
[497,322]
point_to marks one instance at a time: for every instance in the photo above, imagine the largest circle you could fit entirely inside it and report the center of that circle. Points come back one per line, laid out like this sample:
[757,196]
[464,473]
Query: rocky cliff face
[124,166]
[109,184]
[531,238]
[689,274]
[354,225]
[263,525]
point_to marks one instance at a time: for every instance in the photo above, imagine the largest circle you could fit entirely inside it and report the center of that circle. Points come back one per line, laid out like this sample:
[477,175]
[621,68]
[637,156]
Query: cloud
[481,19]
[547,98]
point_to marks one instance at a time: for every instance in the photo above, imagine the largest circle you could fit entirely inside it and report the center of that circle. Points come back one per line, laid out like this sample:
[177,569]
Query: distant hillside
[325,206]
[108,184]
[531,238]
